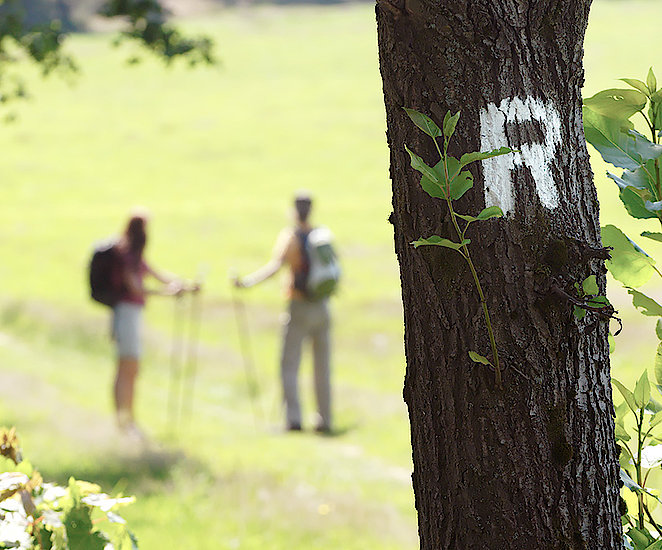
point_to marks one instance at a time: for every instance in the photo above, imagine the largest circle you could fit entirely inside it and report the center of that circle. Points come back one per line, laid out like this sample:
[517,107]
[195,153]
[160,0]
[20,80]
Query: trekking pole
[175,362]
[246,350]
[191,368]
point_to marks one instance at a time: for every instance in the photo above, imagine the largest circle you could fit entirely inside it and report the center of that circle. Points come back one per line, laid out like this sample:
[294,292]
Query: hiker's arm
[281,251]
[172,286]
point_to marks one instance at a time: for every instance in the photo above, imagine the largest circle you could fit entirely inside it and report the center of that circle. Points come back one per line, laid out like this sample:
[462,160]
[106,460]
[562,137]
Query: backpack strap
[301,275]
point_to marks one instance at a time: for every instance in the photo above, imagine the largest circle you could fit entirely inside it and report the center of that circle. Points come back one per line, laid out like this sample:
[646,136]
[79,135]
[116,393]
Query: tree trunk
[532,465]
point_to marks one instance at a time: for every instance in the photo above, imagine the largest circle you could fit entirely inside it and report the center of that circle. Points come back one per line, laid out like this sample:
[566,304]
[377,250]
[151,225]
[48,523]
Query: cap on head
[302,204]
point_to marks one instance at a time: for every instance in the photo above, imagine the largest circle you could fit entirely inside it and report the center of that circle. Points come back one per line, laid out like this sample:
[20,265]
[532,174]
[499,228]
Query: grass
[216,154]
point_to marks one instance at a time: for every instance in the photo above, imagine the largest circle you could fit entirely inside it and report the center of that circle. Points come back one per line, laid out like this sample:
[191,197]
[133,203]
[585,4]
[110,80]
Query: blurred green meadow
[216,154]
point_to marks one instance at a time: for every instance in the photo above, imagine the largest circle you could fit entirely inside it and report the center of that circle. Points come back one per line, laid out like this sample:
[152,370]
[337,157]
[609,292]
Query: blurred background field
[216,154]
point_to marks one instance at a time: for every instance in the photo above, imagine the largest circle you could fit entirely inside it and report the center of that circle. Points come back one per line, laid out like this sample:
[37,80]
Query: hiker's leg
[322,366]
[127,331]
[293,335]
[125,381]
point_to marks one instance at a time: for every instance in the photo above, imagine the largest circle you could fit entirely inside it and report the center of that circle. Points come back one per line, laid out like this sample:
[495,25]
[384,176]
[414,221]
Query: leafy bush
[35,515]
[608,128]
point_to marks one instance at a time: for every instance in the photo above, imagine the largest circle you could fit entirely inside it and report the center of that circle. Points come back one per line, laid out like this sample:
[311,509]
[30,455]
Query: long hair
[135,235]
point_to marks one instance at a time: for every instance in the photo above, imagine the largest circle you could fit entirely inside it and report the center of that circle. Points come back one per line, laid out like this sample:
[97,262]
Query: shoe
[323,430]
[293,427]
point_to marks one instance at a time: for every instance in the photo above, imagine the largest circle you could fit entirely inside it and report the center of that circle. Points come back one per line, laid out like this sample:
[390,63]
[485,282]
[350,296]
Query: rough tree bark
[534,465]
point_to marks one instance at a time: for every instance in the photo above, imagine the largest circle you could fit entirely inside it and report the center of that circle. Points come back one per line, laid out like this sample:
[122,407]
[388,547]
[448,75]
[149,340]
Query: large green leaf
[648,306]
[637,187]
[472,157]
[627,395]
[642,391]
[417,163]
[615,141]
[616,103]
[629,264]
[432,188]
[461,184]
[638,84]
[645,148]
[634,200]
[440,241]
[424,122]
[641,178]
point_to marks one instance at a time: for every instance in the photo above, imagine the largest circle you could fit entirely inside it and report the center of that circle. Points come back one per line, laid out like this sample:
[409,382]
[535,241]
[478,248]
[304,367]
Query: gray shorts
[127,329]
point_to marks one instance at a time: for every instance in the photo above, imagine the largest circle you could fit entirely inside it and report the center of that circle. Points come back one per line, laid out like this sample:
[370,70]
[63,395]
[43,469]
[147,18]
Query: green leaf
[619,104]
[461,184]
[477,358]
[472,157]
[648,306]
[640,539]
[638,84]
[658,329]
[651,81]
[440,241]
[655,419]
[635,203]
[627,395]
[450,122]
[436,190]
[490,212]
[598,301]
[466,218]
[590,285]
[435,186]
[621,412]
[424,122]
[653,236]
[579,312]
[612,343]
[642,178]
[642,391]
[629,264]
[657,369]
[616,142]
[621,433]
[657,545]
[417,163]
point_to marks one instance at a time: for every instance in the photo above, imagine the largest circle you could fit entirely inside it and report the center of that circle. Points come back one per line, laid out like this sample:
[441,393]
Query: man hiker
[308,313]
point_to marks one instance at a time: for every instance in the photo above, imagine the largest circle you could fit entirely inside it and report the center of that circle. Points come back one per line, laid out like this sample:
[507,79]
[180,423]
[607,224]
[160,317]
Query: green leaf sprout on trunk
[447,180]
